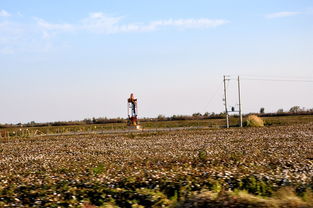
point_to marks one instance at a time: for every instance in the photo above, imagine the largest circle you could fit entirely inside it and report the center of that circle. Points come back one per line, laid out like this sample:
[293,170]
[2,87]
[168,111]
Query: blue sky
[70,60]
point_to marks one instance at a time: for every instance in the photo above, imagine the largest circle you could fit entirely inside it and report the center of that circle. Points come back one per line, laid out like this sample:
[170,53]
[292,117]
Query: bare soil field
[186,168]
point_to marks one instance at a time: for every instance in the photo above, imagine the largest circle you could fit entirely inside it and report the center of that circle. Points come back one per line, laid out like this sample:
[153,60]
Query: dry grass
[254,121]
[285,198]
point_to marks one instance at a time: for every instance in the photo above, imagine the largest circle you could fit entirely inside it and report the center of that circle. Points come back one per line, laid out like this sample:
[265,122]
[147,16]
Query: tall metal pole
[225,102]
[239,96]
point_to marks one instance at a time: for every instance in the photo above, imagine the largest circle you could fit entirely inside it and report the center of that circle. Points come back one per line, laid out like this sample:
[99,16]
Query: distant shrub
[262,110]
[206,114]
[161,118]
[196,115]
[254,121]
[180,117]
[295,109]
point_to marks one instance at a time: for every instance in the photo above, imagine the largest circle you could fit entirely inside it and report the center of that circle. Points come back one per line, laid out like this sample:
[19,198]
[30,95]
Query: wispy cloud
[101,23]
[51,29]
[49,26]
[4,13]
[18,37]
[186,23]
[35,35]
[281,14]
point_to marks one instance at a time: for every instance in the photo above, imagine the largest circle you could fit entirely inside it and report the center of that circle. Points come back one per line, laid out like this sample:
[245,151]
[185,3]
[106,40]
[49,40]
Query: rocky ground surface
[154,168]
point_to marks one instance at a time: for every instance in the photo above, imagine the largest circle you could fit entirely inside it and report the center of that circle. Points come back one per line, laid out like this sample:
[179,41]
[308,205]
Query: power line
[278,80]
[212,98]
[274,78]
[308,79]
[277,77]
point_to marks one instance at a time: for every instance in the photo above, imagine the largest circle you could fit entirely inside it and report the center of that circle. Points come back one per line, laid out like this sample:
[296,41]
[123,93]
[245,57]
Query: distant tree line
[295,110]
[194,116]
[67,123]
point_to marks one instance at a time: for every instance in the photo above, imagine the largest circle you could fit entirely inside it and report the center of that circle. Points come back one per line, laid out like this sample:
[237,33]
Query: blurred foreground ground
[238,167]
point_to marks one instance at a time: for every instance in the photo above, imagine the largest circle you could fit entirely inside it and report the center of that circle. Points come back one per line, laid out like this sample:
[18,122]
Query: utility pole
[239,97]
[225,102]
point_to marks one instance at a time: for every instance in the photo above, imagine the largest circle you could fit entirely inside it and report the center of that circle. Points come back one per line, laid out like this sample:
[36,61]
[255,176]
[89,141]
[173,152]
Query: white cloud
[281,14]
[101,23]
[18,37]
[4,13]
[49,26]
[188,23]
